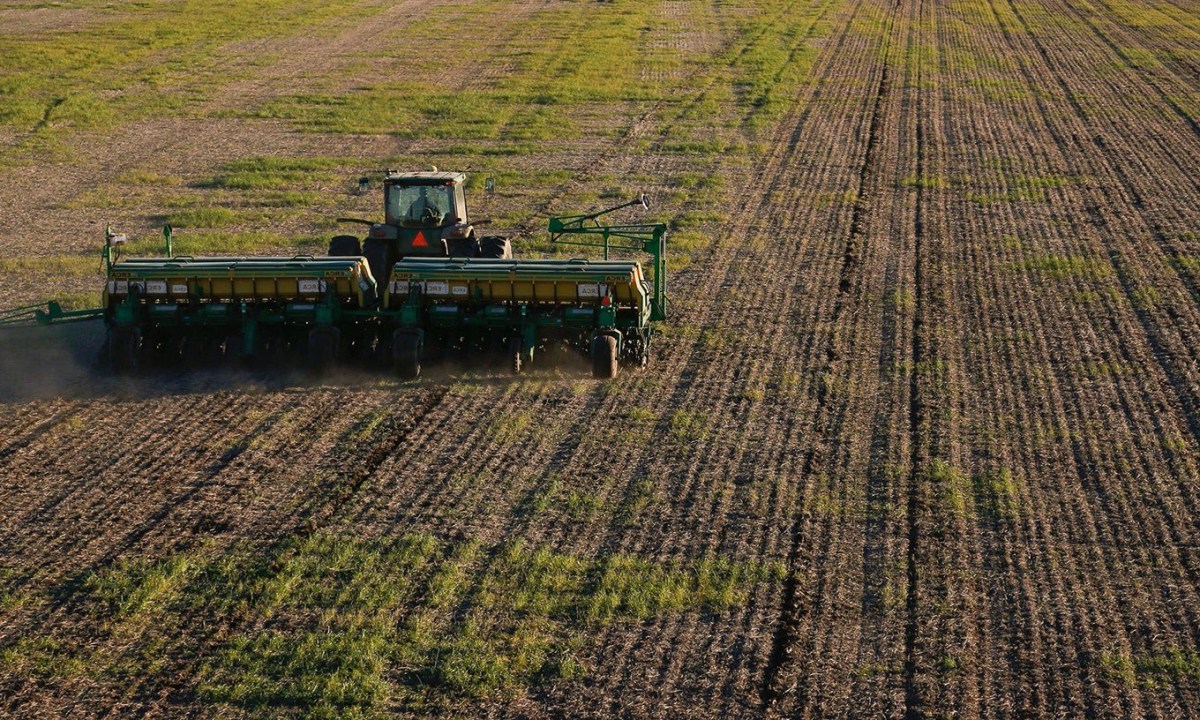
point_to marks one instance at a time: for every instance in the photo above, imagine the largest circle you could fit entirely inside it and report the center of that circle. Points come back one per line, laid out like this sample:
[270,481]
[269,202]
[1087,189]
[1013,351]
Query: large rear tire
[495,246]
[604,357]
[124,350]
[406,354]
[379,257]
[467,247]
[345,246]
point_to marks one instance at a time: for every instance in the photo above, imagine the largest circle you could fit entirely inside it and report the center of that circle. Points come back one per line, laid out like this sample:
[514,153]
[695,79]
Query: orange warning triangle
[419,240]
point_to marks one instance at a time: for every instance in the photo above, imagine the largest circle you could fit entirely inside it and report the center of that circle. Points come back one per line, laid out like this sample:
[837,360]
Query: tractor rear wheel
[604,357]
[323,347]
[495,246]
[406,354]
[345,246]
[376,251]
[124,349]
[467,247]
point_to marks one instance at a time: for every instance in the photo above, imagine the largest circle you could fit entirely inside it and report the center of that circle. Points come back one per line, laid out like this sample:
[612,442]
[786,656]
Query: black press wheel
[235,345]
[345,246]
[406,354]
[516,359]
[641,352]
[124,349]
[322,348]
[604,357]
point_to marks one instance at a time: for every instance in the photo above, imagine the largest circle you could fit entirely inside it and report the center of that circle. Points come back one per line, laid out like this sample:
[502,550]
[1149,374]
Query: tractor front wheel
[406,354]
[604,357]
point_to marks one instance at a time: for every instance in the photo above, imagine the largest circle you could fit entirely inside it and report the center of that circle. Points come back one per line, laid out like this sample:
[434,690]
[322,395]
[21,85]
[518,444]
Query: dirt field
[921,437]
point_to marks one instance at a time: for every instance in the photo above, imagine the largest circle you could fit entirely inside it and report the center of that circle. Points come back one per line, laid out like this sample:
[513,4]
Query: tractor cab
[425,215]
[425,200]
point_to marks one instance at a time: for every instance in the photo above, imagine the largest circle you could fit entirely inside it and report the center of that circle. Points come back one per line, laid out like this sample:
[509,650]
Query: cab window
[420,205]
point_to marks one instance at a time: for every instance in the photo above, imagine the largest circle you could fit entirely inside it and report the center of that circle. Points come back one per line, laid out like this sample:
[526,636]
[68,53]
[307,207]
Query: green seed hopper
[332,308]
[603,306]
[236,306]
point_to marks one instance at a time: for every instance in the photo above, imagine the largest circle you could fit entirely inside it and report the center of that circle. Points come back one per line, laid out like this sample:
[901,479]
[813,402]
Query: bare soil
[940,362]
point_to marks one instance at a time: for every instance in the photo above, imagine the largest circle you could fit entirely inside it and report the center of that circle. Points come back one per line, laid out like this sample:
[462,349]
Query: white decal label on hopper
[118,287]
[312,286]
[156,287]
[437,287]
[459,290]
[179,289]
[591,290]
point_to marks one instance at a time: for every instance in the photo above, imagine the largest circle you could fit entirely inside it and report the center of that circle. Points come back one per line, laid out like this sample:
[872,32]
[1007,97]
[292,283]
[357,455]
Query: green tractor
[420,284]
[425,215]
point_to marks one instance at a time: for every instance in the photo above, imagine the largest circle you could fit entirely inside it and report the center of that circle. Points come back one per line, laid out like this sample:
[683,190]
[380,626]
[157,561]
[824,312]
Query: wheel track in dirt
[673,356]
[941,594]
[713,462]
[744,463]
[828,425]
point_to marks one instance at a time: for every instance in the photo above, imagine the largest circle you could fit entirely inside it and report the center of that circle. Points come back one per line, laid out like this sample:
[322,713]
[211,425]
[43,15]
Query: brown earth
[941,358]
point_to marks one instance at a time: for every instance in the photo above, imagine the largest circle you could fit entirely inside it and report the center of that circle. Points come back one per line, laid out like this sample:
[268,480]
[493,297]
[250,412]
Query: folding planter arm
[650,238]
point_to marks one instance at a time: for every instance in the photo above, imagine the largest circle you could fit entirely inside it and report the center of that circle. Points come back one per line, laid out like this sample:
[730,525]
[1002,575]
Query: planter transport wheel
[604,357]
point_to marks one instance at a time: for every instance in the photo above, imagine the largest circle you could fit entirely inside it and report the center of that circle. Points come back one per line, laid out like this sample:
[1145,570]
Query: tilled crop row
[930,397]
[1067,500]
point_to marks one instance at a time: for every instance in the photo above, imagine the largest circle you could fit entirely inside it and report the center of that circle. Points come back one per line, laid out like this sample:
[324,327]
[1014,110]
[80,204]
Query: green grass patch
[1146,297]
[204,217]
[512,427]
[951,488]
[149,178]
[997,495]
[143,59]
[1170,667]
[226,243]
[55,265]
[925,182]
[689,426]
[639,496]
[1060,267]
[278,173]
[334,626]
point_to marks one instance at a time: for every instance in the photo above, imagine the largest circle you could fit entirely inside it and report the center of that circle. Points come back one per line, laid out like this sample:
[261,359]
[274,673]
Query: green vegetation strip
[331,625]
[586,60]
[146,58]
